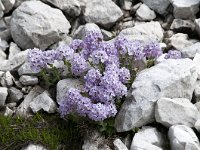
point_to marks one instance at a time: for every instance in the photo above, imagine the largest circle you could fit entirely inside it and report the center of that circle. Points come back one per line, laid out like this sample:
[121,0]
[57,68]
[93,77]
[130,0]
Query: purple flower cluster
[83,106]
[103,65]
[173,54]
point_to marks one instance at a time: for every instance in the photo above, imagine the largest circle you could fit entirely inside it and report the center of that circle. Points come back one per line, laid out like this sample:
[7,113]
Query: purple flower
[173,54]
[83,106]
[124,75]
[36,59]
[77,45]
[121,45]
[78,65]
[109,48]
[50,56]
[135,49]
[99,57]
[152,50]
[65,52]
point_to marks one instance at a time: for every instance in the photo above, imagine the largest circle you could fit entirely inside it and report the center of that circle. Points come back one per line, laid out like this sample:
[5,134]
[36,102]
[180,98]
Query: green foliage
[48,130]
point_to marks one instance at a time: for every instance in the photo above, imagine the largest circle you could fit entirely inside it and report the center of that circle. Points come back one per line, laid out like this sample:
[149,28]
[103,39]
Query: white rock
[197,125]
[64,85]
[15,95]
[106,35]
[2,55]
[160,6]
[119,145]
[34,147]
[176,111]
[13,50]
[185,9]
[126,4]
[184,26]
[197,25]
[38,25]
[3,45]
[28,80]
[197,91]
[152,84]
[70,7]
[2,9]
[14,63]
[3,95]
[8,4]
[146,32]
[196,61]
[144,13]
[25,69]
[183,138]
[81,32]
[23,109]
[191,50]
[180,41]
[43,101]
[148,136]
[7,79]
[104,12]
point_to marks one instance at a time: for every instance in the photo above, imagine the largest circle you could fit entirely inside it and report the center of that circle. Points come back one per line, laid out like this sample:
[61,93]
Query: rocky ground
[167,94]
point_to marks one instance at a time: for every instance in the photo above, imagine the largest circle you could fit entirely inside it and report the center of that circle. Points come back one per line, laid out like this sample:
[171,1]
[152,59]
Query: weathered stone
[184,26]
[43,101]
[107,35]
[197,91]
[197,125]
[34,147]
[5,34]
[7,79]
[179,41]
[2,9]
[38,25]
[3,95]
[119,145]
[6,111]
[104,12]
[146,32]
[81,32]
[13,50]
[93,141]
[15,95]
[14,63]
[25,69]
[144,13]
[28,80]
[126,4]
[197,26]
[183,138]
[64,85]
[2,55]
[185,9]
[23,109]
[176,111]
[160,6]
[191,50]
[8,4]
[152,84]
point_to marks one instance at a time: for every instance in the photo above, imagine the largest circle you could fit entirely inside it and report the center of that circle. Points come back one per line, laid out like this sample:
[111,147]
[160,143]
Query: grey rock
[34,147]
[5,34]
[184,26]
[197,26]
[197,125]
[64,85]
[190,50]
[11,105]
[2,9]
[179,41]
[7,20]
[104,12]
[28,80]
[13,50]
[127,24]
[81,32]
[7,79]
[148,136]
[66,40]
[185,9]
[135,8]
[106,35]
[3,95]
[126,4]
[2,55]
[8,4]
[14,63]
[23,109]
[146,32]
[144,13]
[197,91]
[3,45]
[43,101]
[6,111]
[119,145]
[160,6]
[176,111]
[15,95]
[70,7]
[94,141]
[183,138]
[197,104]
[196,61]
[152,84]
[25,69]
[38,25]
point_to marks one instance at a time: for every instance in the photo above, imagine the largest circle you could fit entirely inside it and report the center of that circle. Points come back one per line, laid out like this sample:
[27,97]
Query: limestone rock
[35,24]
[3,95]
[144,13]
[28,80]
